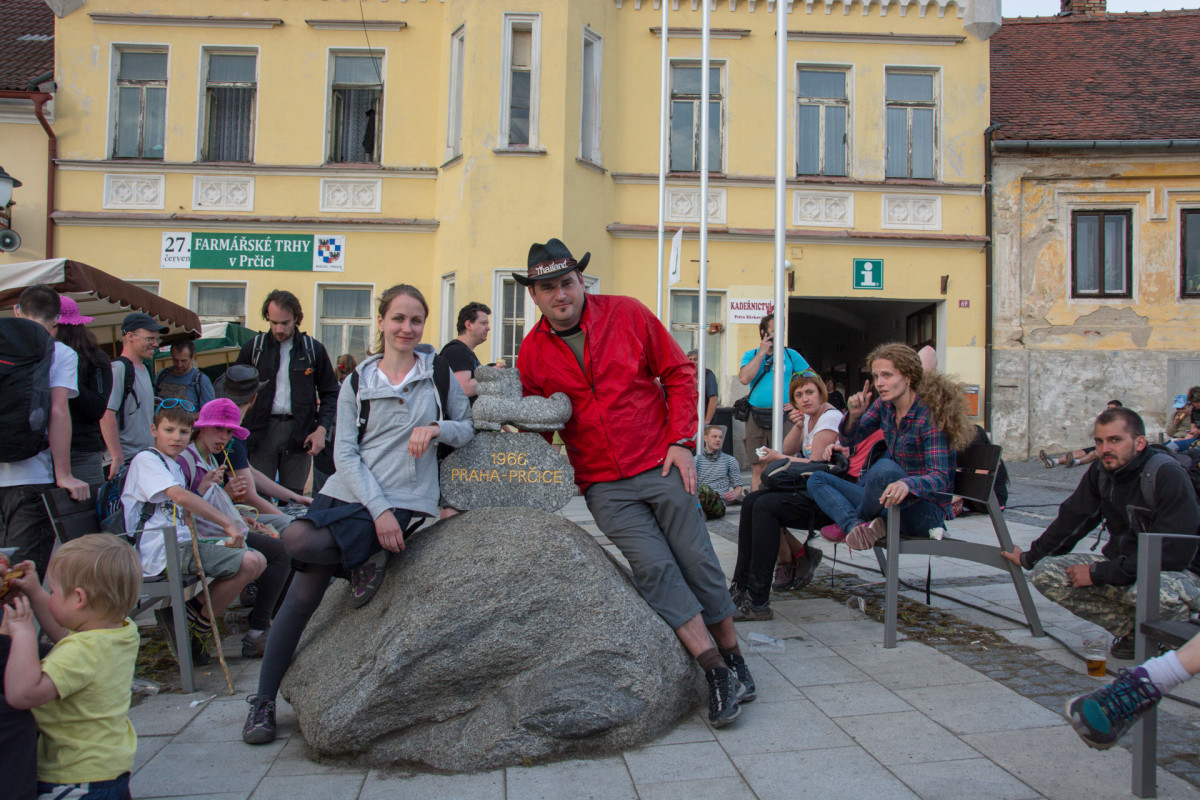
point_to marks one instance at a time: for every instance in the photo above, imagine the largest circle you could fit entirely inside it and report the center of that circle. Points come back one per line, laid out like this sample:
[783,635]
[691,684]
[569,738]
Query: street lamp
[7,184]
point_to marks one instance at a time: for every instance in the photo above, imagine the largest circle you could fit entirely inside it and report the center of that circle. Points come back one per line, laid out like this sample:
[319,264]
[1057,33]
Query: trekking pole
[191,523]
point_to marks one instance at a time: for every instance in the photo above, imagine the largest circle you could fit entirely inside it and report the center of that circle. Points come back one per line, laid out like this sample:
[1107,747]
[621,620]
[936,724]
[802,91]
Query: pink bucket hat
[69,313]
[221,413]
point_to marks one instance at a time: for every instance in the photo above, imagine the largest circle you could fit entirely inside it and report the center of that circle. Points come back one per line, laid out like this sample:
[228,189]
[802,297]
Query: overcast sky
[1046,8]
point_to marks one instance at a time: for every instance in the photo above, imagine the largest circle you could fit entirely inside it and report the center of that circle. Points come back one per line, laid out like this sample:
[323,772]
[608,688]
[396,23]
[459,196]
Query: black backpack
[26,355]
[111,510]
[441,379]
[126,391]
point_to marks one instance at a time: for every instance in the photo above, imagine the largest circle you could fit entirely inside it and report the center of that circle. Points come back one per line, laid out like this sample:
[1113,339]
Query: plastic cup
[1095,652]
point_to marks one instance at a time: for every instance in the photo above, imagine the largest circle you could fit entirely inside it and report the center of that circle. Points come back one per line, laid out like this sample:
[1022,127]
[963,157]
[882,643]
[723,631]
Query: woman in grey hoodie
[389,421]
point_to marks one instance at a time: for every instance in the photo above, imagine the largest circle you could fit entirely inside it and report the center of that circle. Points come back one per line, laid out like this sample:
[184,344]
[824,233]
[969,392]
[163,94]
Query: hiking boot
[1105,715]
[748,612]
[785,575]
[366,580]
[253,646]
[1122,647]
[725,692]
[737,665]
[865,535]
[260,722]
[806,570]
[737,594]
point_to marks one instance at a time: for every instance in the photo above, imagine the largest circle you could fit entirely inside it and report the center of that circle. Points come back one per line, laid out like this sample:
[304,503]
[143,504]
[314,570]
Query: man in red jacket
[631,449]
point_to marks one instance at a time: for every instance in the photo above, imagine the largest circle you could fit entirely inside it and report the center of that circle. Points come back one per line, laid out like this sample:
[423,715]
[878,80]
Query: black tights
[272,579]
[317,548]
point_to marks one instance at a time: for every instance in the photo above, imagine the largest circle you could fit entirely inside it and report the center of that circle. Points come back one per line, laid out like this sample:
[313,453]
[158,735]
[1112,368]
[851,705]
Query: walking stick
[212,617]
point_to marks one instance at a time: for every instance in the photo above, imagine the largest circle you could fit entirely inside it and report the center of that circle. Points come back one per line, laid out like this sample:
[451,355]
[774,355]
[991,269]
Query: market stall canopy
[99,294]
[217,348]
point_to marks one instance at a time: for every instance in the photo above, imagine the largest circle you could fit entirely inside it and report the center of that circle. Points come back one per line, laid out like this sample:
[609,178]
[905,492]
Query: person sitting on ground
[924,421]
[1105,715]
[1186,442]
[764,542]
[184,379]
[206,467]
[79,692]
[718,474]
[155,497]
[1187,411]
[1081,457]
[389,422]
[346,364]
[1101,588]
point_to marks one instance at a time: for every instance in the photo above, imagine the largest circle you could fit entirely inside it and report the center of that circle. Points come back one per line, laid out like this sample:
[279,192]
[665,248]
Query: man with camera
[757,370]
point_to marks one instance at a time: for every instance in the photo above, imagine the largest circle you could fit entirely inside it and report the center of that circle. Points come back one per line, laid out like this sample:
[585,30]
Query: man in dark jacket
[629,439]
[1116,491]
[287,431]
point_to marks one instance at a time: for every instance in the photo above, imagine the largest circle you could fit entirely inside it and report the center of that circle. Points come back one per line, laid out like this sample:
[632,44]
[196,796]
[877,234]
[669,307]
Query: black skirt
[352,527]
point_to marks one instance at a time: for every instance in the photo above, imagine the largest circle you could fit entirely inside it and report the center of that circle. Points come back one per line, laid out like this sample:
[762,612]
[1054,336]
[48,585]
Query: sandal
[1045,459]
[366,580]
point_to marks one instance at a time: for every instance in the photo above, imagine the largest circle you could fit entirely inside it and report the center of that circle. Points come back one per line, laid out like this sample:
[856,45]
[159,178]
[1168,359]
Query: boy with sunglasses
[131,404]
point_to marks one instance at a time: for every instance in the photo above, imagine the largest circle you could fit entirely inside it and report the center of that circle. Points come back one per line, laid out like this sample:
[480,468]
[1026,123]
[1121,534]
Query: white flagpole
[664,93]
[780,231]
[702,335]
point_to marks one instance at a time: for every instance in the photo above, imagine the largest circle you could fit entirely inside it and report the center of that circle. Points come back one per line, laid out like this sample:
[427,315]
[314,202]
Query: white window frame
[318,306]
[823,103]
[454,110]
[330,62]
[533,24]
[449,297]
[154,287]
[589,124]
[114,84]
[194,295]
[936,73]
[500,278]
[720,97]
[720,343]
[202,113]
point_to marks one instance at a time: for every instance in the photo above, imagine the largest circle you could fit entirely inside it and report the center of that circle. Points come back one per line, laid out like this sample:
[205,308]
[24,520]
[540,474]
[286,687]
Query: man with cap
[629,440]
[299,403]
[131,404]
[1187,411]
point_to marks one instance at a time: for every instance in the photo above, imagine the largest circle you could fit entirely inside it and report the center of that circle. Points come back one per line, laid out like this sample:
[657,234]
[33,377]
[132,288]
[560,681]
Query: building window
[1190,247]
[589,98]
[345,320]
[149,286]
[822,117]
[356,107]
[220,302]
[141,104]
[1101,253]
[515,307]
[911,131]
[230,88]
[458,41]
[522,71]
[685,117]
[685,325]
[449,309]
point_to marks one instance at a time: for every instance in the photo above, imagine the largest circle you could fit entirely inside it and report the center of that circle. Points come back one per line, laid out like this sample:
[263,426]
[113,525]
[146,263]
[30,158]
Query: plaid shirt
[915,444]
[719,471]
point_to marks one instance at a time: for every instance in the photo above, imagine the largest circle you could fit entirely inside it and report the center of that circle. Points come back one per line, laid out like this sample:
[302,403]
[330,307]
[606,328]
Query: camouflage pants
[711,503]
[1112,607]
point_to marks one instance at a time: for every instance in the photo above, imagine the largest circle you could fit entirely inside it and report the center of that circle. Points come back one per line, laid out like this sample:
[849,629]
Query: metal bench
[974,479]
[71,519]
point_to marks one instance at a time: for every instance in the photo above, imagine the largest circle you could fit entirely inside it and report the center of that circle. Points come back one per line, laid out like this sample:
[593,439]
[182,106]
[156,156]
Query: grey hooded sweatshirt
[379,473]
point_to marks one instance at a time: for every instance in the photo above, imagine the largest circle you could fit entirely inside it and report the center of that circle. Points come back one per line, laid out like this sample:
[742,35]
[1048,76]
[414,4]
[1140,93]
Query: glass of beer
[1095,652]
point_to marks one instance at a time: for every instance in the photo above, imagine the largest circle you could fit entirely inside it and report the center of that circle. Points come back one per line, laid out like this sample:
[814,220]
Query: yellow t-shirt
[86,734]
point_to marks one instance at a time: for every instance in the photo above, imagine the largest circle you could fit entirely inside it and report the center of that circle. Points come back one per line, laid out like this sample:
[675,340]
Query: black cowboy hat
[239,383]
[550,260]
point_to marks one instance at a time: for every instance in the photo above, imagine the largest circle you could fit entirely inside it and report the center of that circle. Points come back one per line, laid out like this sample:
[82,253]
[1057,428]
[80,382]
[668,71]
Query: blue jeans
[851,504]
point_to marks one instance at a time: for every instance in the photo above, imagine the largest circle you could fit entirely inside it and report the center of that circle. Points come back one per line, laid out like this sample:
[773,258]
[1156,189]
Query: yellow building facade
[305,146]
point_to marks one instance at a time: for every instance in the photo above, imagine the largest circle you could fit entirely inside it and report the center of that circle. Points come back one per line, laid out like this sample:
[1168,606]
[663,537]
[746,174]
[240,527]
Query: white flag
[673,273]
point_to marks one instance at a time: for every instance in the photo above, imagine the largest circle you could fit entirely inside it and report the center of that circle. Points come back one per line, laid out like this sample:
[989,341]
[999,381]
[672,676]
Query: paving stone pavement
[838,716]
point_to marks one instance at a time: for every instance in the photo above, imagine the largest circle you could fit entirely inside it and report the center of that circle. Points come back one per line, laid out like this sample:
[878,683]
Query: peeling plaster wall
[1059,359]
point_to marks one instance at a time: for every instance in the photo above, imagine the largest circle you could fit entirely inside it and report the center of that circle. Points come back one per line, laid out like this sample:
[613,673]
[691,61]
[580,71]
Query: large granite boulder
[499,637]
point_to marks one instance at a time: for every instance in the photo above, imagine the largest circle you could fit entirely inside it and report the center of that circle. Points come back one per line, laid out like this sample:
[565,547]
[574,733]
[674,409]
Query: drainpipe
[989,268]
[39,100]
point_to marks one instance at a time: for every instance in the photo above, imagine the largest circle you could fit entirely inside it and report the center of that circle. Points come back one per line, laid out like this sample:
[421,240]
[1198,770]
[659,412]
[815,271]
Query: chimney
[1089,8]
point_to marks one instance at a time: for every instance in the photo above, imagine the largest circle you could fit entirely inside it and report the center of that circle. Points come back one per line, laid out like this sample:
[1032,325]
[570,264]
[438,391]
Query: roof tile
[26,42]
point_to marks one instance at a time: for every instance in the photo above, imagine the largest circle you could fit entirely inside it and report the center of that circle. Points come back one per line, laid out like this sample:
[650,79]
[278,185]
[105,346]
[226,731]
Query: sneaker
[725,692]
[260,722]
[865,535]
[254,646]
[833,533]
[249,595]
[805,570]
[737,666]
[200,639]
[737,594]
[748,612]
[1105,715]
[1122,647]
[366,580]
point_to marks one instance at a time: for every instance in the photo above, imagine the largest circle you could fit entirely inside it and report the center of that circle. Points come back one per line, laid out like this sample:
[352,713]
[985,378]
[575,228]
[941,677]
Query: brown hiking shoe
[864,536]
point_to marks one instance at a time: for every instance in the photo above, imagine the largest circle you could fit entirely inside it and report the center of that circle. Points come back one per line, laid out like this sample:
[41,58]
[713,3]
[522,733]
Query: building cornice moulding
[764,182]
[111,219]
[620,230]
[351,24]
[182,21]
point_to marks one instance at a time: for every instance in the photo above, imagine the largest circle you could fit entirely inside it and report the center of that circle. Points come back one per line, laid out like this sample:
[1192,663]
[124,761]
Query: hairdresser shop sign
[254,251]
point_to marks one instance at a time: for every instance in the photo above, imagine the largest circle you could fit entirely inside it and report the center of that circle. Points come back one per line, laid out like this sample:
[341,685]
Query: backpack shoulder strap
[1153,465]
[309,349]
[127,389]
[441,379]
[364,407]
[256,351]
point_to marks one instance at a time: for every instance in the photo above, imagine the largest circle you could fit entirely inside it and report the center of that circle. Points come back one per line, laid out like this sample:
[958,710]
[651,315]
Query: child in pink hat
[69,313]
